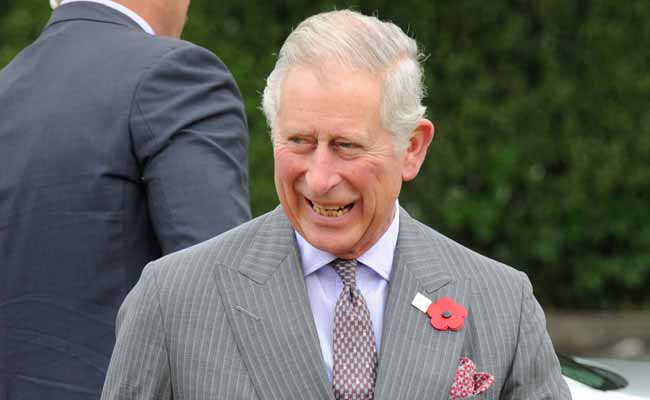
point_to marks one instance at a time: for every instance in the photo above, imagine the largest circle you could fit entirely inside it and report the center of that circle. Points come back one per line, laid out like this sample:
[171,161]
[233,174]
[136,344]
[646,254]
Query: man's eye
[346,145]
[297,140]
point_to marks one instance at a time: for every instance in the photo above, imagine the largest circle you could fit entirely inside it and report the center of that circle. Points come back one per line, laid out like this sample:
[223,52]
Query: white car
[606,379]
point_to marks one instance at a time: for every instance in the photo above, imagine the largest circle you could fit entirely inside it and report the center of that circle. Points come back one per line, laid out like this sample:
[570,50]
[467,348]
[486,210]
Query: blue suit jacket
[116,147]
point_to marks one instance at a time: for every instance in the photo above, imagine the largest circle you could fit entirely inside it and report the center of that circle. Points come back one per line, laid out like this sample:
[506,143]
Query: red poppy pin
[445,313]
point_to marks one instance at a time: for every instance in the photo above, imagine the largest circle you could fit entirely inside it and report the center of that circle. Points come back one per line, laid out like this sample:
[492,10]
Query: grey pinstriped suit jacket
[230,319]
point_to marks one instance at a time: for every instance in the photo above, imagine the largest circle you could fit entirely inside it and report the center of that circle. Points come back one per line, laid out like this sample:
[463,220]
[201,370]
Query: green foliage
[543,127]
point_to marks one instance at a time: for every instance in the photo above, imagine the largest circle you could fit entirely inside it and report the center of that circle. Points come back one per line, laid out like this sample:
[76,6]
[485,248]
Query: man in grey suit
[117,146]
[338,294]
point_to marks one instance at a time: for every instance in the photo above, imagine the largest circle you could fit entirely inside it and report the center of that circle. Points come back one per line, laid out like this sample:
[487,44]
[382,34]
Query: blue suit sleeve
[190,136]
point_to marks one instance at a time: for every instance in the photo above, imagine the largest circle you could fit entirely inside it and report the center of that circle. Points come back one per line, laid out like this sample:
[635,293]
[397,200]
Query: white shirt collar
[379,257]
[124,10]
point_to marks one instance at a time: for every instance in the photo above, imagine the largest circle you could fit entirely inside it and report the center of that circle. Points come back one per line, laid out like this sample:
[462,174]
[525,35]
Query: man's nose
[322,172]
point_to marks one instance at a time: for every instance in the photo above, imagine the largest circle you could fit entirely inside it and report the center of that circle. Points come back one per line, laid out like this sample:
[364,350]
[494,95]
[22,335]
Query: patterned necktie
[355,351]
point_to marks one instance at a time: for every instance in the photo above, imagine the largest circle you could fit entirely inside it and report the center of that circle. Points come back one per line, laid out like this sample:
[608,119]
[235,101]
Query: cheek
[288,167]
[372,177]
[381,184]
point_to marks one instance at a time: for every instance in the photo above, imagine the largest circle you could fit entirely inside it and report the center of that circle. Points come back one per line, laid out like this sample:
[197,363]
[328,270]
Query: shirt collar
[124,10]
[379,257]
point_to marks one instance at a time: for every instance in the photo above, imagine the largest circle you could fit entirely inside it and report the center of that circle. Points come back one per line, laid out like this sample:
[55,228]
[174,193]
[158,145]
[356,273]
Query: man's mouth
[330,211]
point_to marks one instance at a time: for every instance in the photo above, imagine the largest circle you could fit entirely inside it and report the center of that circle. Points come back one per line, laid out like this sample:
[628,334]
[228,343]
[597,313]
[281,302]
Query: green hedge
[542,111]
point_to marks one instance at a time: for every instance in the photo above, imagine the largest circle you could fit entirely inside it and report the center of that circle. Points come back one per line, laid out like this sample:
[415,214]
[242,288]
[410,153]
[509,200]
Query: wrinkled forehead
[328,71]
[307,83]
[331,84]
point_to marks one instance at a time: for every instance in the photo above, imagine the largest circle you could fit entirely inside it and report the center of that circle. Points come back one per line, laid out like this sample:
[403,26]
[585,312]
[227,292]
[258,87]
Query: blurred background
[541,157]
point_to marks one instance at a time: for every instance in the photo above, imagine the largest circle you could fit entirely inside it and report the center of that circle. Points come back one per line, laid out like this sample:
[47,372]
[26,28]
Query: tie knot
[346,270]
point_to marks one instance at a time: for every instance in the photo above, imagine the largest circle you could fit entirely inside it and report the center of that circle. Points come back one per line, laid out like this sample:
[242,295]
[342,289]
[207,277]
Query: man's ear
[416,151]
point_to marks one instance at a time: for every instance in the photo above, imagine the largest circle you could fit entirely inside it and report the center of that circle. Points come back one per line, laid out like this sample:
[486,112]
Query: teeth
[330,211]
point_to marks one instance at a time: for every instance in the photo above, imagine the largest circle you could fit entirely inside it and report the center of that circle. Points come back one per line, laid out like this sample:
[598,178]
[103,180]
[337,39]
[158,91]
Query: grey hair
[55,3]
[359,42]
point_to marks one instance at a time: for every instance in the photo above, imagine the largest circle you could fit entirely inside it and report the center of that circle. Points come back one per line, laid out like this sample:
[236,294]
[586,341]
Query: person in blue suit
[119,143]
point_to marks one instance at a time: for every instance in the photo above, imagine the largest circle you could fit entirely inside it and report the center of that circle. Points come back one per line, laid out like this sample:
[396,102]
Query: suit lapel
[268,308]
[269,313]
[416,361]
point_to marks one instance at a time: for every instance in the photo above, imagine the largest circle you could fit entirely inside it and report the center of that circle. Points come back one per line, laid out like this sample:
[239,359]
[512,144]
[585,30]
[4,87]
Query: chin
[340,251]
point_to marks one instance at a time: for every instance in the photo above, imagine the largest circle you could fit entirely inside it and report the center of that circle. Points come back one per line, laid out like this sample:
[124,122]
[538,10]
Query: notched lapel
[417,361]
[271,318]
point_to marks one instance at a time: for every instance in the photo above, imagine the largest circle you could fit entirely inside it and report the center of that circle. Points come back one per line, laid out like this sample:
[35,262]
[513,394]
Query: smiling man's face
[337,172]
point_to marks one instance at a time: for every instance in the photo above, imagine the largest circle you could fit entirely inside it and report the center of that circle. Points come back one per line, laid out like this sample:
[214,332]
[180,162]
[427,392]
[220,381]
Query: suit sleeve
[190,137]
[535,372]
[139,367]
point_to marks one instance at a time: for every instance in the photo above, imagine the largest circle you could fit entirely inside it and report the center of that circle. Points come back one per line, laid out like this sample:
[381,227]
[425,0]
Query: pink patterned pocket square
[468,382]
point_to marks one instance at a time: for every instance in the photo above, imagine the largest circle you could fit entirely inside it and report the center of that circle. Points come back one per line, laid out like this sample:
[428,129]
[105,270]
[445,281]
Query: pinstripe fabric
[230,319]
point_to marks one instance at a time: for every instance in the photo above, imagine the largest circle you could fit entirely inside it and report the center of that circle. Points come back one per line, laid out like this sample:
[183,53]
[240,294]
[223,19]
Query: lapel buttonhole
[437,285]
[248,313]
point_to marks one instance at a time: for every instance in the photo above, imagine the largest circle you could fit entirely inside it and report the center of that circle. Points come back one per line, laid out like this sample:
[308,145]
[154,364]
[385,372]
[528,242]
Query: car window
[595,377]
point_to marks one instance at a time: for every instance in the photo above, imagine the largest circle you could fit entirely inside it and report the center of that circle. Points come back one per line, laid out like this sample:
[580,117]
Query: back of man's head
[358,42]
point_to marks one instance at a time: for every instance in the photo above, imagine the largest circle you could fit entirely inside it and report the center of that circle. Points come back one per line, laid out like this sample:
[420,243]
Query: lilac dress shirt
[324,285]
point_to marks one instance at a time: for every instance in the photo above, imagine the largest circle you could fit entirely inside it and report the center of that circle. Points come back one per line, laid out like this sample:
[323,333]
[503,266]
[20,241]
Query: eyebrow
[347,135]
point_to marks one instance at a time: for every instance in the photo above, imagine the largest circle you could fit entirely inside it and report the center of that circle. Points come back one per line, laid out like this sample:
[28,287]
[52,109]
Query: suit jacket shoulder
[180,324]
[231,249]
[504,331]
